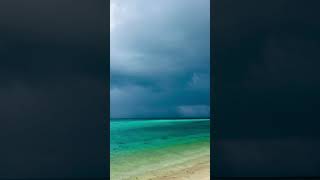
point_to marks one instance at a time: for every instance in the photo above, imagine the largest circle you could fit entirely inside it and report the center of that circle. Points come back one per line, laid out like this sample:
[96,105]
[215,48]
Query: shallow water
[142,144]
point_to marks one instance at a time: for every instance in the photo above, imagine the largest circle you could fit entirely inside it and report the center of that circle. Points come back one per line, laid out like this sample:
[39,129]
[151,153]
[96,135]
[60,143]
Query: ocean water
[142,145]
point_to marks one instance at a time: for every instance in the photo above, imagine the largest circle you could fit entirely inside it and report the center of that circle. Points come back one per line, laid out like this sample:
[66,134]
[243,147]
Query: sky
[159,58]
[53,76]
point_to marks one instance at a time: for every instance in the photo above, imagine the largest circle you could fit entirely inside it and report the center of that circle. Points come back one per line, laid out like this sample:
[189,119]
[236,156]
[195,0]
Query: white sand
[197,168]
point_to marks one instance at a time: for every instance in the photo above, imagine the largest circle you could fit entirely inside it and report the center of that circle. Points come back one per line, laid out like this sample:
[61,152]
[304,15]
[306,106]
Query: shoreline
[166,164]
[160,150]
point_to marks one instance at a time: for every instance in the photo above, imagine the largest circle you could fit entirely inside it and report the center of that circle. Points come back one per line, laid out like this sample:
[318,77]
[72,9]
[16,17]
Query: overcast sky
[160,56]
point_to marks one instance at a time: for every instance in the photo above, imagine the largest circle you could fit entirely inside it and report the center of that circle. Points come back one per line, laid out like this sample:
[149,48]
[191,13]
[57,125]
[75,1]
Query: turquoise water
[131,135]
[134,141]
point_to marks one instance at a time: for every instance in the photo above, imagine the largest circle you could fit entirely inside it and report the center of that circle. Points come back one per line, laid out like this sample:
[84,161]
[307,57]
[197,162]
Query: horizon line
[166,118]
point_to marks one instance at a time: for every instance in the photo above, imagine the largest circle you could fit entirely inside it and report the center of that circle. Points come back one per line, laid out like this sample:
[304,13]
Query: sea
[138,145]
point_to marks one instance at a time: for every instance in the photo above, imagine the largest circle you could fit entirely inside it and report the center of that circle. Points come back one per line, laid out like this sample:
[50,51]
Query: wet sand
[194,169]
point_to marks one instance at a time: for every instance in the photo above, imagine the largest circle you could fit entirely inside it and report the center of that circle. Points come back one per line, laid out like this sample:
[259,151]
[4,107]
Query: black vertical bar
[54,89]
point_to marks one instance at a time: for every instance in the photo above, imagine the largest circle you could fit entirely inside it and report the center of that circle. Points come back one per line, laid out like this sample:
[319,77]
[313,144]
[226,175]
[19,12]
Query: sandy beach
[195,169]
[186,166]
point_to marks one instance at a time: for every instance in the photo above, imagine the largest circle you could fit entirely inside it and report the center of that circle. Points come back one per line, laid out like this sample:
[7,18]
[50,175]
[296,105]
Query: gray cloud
[194,110]
[159,57]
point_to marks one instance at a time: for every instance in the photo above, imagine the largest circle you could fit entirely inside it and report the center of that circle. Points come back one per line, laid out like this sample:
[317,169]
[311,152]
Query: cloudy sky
[160,56]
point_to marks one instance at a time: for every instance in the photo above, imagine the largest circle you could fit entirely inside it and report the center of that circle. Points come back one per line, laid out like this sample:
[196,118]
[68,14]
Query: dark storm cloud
[53,89]
[159,58]
[266,88]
